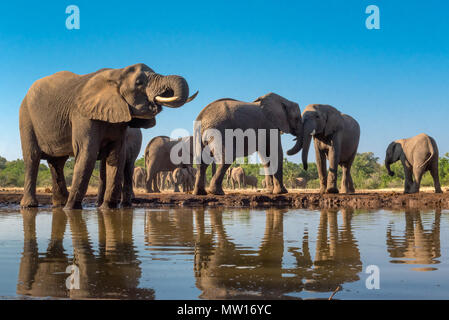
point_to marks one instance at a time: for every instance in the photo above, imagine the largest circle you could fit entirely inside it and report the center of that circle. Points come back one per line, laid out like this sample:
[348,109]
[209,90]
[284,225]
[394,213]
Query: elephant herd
[98,116]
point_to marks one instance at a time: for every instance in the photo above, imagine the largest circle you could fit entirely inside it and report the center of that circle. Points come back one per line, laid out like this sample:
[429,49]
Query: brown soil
[294,199]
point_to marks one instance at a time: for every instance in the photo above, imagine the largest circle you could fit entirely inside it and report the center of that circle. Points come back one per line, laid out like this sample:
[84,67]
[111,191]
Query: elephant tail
[430,155]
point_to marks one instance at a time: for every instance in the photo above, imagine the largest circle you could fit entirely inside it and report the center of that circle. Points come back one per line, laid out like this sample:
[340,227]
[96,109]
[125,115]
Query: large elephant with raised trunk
[418,155]
[336,138]
[86,116]
[267,114]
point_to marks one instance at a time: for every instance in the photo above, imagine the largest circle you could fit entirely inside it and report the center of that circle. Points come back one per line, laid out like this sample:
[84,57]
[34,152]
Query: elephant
[336,138]
[299,183]
[133,144]
[139,178]
[165,180]
[251,181]
[86,116]
[236,175]
[418,155]
[184,176]
[157,158]
[267,114]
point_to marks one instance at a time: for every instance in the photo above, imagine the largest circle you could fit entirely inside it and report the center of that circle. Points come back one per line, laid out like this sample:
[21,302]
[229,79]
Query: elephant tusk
[192,97]
[165,100]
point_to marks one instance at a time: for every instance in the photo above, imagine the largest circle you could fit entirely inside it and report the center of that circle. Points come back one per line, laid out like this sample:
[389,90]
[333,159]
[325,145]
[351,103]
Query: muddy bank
[371,200]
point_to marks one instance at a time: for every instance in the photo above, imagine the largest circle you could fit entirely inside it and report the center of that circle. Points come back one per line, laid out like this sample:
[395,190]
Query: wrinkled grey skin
[236,175]
[86,116]
[133,144]
[270,111]
[157,158]
[251,181]
[299,183]
[336,138]
[184,177]
[139,178]
[418,155]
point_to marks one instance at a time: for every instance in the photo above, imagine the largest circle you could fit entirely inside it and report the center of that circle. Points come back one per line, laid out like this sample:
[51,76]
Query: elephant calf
[336,137]
[251,181]
[418,155]
[139,178]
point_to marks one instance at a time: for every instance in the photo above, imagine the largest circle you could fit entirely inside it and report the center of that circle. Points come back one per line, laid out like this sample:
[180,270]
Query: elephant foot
[438,191]
[59,202]
[269,190]
[109,205]
[75,205]
[216,191]
[322,190]
[280,190]
[28,202]
[332,190]
[199,192]
[126,204]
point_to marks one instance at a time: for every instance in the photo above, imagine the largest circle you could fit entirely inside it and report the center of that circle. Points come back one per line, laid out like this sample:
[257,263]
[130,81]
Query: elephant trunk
[175,93]
[308,130]
[297,147]
[387,165]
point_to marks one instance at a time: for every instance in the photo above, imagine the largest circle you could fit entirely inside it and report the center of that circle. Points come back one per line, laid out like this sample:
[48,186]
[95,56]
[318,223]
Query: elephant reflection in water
[228,271]
[418,246]
[225,270]
[114,273]
[337,257]
[43,275]
[166,228]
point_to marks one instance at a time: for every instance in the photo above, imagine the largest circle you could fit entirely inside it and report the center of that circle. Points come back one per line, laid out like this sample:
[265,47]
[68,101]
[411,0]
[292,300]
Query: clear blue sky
[394,81]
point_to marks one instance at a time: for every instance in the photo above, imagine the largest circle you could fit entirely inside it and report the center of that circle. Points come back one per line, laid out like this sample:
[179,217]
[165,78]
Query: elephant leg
[217,179]
[156,183]
[60,193]
[322,168]
[31,157]
[115,163]
[268,182]
[102,183]
[278,177]
[408,184]
[417,173]
[347,185]
[334,159]
[151,176]
[85,158]
[127,192]
[436,177]
[200,180]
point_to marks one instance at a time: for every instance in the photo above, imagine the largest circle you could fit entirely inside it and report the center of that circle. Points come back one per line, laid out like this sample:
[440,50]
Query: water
[220,253]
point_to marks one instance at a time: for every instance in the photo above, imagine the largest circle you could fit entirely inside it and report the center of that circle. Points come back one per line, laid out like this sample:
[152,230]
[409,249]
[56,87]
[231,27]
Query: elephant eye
[139,82]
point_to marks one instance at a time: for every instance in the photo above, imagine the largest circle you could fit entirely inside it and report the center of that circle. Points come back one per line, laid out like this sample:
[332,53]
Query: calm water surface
[220,253]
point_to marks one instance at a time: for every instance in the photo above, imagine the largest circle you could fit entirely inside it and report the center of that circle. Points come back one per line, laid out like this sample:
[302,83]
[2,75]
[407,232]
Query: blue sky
[394,81]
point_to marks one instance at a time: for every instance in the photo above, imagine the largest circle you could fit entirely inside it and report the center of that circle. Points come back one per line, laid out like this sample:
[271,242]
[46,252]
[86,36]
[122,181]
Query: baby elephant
[418,155]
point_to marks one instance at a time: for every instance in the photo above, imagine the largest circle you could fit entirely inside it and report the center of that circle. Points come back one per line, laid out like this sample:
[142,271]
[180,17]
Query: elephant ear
[334,121]
[275,111]
[397,150]
[100,98]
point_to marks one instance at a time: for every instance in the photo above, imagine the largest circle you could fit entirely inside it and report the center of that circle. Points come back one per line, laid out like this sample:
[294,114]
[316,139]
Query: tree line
[367,173]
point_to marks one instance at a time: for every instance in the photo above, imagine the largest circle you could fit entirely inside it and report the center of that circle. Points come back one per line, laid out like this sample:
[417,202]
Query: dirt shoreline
[304,200]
